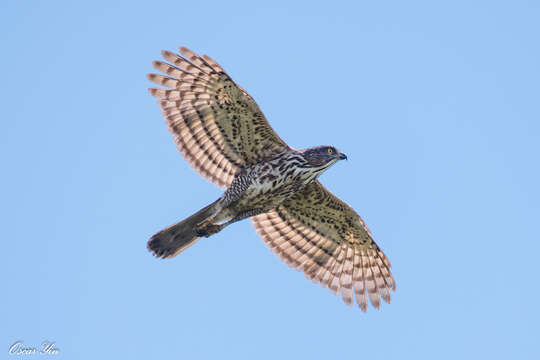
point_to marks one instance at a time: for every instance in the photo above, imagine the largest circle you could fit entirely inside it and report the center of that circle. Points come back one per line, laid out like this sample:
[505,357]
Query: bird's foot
[207,230]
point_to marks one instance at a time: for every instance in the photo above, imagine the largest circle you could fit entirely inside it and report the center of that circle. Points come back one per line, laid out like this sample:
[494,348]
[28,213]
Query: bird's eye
[330,151]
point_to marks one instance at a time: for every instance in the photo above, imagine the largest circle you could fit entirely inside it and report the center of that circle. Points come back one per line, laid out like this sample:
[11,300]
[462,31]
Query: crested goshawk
[222,133]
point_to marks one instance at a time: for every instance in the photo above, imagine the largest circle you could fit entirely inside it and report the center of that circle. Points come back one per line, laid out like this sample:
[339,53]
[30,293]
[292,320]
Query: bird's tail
[174,239]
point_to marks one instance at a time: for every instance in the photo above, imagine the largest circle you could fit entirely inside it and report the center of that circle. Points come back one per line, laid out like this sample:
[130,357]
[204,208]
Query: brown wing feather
[217,126]
[317,233]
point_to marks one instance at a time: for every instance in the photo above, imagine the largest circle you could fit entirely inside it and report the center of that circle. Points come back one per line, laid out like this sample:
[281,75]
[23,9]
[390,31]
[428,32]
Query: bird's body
[266,185]
[223,134]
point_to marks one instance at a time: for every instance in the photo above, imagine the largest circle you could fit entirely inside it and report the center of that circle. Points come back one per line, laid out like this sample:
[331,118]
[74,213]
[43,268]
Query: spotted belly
[266,185]
[267,198]
[269,188]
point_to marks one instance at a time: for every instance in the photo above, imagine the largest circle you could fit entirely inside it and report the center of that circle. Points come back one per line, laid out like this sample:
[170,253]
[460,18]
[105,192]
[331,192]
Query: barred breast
[270,183]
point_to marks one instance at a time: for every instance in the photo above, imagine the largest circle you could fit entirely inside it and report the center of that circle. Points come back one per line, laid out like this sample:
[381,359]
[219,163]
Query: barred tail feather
[174,239]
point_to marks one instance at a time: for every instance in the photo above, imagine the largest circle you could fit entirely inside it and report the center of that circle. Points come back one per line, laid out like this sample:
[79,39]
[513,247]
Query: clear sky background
[436,105]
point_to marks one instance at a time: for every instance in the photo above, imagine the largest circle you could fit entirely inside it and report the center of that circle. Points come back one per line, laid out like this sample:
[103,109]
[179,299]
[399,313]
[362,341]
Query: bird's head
[323,156]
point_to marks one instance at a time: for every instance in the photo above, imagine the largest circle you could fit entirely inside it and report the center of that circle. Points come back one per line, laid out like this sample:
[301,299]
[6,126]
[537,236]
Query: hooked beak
[342,156]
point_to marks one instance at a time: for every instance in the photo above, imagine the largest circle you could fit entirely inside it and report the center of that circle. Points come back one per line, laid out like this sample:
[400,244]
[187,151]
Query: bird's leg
[244,214]
[207,228]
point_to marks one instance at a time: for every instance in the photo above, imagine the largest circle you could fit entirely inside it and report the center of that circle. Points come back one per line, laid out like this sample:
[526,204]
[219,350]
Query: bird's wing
[317,233]
[217,126]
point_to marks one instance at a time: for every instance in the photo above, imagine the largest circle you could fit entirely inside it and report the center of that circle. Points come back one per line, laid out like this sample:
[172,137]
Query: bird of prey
[222,133]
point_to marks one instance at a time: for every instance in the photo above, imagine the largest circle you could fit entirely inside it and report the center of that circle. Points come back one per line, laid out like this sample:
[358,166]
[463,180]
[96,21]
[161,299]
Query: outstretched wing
[322,236]
[217,126]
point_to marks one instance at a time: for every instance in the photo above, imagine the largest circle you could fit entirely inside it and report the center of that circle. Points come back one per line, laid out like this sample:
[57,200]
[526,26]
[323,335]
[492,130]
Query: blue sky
[436,104]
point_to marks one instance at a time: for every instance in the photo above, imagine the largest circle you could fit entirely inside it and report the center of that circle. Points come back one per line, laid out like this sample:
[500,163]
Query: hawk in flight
[222,133]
